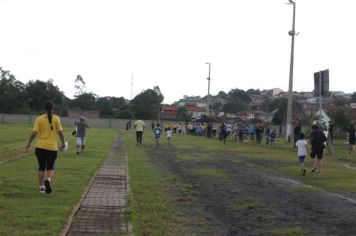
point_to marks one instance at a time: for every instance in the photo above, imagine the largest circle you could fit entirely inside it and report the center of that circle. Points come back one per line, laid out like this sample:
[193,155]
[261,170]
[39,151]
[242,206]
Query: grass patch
[150,210]
[249,204]
[13,136]
[23,210]
[209,172]
[307,190]
[290,231]
[188,157]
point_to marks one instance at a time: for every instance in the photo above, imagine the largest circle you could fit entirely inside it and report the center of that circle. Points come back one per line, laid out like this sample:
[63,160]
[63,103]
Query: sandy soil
[250,198]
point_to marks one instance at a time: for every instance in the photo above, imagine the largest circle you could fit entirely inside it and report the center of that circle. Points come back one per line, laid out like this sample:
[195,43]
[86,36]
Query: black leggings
[139,136]
[46,159]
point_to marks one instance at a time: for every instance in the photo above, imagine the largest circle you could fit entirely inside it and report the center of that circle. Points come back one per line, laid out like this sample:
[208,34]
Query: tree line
[17,97]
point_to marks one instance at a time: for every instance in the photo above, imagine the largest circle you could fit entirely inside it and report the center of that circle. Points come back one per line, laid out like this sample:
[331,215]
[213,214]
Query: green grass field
[152,211]
[24,211]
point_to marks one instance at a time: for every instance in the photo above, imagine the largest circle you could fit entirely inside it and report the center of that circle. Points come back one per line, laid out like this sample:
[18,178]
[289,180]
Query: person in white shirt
[169,134]
[302,151]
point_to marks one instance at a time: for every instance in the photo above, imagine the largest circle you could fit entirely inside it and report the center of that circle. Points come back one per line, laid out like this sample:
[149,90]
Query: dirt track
[251,198]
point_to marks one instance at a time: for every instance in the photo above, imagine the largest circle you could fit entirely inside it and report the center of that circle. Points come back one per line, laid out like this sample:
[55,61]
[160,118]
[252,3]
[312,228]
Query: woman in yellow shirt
[45,129]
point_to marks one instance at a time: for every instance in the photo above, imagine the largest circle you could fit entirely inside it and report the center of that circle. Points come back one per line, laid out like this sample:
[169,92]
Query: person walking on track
[45,130]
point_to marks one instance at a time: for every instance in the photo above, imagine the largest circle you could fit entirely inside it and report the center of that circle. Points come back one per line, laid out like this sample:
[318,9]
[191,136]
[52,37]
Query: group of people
[48,126]
[139,127]
[241,131]
[317,142]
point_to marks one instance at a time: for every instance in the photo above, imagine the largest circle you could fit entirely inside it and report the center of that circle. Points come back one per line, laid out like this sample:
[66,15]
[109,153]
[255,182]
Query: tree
[237,100]
[125,112]
[278,117]
[79,86]
[146,105]
[281,104]
[340,101]
[340,119]
[253,92]
[38,92]
[104,106]
[216,106]
[183,114]
[85,101]
[353,97]
[12,97]
[222,94]
[117,103]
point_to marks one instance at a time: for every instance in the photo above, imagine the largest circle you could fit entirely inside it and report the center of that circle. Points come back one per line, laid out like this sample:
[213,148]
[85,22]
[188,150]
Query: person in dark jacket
[352,139]
[317,139]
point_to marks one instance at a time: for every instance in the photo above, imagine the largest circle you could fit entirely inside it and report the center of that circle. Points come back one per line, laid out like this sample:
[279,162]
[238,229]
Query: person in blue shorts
[302,152]
[157,132]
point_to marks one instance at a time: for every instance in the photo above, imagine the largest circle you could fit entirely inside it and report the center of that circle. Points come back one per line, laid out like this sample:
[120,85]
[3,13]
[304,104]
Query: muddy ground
[229,194]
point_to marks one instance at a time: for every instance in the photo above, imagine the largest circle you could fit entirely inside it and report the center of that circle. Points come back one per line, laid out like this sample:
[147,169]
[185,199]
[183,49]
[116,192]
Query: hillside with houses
[267,106]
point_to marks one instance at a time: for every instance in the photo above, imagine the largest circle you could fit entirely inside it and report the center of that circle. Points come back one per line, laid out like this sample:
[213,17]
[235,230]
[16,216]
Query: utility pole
[131,85]
[208,105]
[320,98]
[290,90]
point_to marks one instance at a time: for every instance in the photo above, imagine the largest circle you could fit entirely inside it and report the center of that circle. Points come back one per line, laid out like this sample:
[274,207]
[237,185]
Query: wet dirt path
[235,195]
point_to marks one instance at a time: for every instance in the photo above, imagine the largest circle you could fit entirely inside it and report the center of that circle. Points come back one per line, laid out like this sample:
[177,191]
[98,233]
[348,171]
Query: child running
[169,134]
[301,145]
[157,132]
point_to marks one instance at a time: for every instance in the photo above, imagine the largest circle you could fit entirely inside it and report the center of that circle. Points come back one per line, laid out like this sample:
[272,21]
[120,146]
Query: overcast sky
[167,43]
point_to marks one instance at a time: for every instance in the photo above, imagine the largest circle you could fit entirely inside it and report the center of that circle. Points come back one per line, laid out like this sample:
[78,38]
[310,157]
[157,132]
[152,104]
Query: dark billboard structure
[324,77]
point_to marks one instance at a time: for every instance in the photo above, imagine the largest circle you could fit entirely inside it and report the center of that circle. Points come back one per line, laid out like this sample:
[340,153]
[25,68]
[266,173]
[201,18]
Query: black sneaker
[78,153]
[48,186]
[303,172]
[313,170]
[42,190]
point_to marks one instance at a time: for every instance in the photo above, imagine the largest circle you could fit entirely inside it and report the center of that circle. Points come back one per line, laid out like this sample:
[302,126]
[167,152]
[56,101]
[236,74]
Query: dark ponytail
[49,108]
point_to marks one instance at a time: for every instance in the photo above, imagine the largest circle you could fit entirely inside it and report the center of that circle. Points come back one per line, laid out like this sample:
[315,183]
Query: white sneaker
[42,190]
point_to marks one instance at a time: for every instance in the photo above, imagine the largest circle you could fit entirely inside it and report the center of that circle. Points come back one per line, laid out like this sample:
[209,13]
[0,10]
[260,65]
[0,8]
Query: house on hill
[168,112]
[264,116]
[199,102]
[245,115]
[195,110]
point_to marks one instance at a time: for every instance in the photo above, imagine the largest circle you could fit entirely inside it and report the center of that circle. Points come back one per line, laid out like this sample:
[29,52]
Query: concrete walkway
[103,208]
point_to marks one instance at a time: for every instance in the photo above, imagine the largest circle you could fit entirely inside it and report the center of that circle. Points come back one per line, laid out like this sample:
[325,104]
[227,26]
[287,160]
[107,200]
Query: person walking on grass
[157,132]
[317,139]
[139,127]
[272,137]
[302,152]
[224,132]
[352,138]
[80,134]
[45,130]
[169,135]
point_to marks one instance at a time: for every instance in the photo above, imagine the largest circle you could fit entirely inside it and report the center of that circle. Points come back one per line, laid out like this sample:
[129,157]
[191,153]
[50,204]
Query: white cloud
[167,43]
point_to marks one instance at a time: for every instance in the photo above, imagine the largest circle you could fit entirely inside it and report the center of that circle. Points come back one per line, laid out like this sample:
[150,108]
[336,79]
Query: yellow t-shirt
[47,138]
